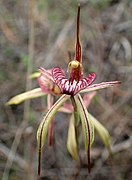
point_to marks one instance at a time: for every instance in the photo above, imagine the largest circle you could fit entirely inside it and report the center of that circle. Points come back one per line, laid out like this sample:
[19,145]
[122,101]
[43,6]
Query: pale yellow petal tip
[34,93]
[35,75]
[10,103]
[15,100]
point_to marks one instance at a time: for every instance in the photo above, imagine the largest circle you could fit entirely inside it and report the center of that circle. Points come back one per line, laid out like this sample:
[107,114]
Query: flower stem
[75,110]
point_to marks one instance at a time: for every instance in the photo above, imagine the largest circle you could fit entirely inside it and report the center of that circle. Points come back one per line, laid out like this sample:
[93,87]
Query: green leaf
[87,126]
[37,92]
[43,127]
[104,134]
[71,140]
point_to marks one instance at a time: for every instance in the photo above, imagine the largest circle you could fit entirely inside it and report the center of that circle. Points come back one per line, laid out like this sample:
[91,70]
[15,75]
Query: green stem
[75,110]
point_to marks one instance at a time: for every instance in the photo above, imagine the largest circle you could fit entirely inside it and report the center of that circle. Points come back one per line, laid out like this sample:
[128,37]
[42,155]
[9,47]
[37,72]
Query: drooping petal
[26,95]
[99,86]
[71,140]
[50,133]
[50,101]
[68,87]
[76,115]
[87,126]
[104,134]
[44,125]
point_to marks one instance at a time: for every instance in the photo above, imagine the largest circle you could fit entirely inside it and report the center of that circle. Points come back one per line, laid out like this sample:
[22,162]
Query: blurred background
[37,33]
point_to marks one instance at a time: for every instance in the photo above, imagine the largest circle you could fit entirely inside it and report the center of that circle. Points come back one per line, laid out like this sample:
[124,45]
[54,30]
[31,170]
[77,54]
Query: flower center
[75,69]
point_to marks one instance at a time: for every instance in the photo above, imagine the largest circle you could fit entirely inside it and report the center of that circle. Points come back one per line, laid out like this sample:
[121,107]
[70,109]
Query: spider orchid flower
[53,82]
[70,89]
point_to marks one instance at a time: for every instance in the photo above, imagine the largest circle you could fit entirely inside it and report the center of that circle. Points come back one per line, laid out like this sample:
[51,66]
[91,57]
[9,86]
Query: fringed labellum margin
[68,87]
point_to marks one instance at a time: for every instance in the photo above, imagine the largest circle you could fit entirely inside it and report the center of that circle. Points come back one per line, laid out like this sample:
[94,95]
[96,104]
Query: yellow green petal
[71,140]
[87,126]
[104,134]
[44,125]
[37,92]
[35,75]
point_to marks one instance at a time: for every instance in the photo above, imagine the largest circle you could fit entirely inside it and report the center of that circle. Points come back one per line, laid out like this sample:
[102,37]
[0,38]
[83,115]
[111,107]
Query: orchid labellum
[53,82]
